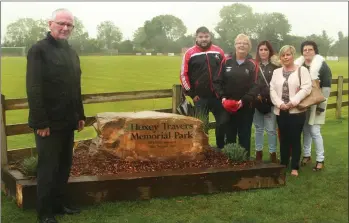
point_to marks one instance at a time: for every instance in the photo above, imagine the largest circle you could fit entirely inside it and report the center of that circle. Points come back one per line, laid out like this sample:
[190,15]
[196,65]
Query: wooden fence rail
[174,93]
[22,103]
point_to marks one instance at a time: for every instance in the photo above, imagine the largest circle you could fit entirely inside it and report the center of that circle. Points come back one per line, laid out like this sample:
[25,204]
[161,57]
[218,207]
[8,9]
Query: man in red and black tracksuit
[200,64]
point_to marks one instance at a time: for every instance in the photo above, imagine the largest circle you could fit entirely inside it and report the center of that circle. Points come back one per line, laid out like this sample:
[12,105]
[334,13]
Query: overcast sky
[305,18]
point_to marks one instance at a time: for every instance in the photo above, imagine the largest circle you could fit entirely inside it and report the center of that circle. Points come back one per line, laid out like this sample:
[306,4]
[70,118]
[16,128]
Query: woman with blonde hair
[289,85]
[236,87]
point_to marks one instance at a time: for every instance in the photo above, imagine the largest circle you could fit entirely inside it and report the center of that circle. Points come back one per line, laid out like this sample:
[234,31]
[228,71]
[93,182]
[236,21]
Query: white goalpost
[13,51]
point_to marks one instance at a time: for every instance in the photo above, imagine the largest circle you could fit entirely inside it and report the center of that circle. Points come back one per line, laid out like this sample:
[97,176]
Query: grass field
[110,74]
[312,197]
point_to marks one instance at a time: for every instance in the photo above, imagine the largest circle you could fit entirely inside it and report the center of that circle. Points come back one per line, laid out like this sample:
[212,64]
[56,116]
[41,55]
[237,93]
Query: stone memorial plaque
[150,135]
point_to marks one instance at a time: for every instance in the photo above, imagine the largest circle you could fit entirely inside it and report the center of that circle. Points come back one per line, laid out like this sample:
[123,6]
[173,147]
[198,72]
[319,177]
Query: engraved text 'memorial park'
[162,131]
[151,135]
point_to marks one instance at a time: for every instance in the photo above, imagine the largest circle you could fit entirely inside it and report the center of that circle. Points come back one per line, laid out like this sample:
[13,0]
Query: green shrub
[235,152]
[204,118]
[29,166]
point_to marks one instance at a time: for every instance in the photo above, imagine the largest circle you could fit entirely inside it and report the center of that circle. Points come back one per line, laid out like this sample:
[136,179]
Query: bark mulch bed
[88,164]
[104,164]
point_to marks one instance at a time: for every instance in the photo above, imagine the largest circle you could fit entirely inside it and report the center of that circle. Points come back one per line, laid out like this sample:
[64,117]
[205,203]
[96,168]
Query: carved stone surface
[150,135]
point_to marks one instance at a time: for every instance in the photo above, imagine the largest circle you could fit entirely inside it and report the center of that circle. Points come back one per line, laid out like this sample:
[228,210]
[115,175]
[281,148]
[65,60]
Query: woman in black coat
[236,86]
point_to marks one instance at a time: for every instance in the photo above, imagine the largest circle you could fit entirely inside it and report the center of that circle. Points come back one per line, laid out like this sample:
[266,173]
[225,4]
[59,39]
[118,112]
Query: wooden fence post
[339,96]
[3,133]
[176,97]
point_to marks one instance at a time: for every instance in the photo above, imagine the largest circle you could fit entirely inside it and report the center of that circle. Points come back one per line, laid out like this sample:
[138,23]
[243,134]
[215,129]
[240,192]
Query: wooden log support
[3,133]
[331,106]
[335,93]
[126,96]
[16,104]
[22,103]
[90,190]
[335,81]
[16,155]
[176,97]
[23,128]
[339,97]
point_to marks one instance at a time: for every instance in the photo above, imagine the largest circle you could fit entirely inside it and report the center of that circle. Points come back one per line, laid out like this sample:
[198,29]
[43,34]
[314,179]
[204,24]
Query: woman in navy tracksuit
[237,83]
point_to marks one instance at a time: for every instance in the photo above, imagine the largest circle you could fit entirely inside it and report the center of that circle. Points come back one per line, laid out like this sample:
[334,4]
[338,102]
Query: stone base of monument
[94,189]
[144,155]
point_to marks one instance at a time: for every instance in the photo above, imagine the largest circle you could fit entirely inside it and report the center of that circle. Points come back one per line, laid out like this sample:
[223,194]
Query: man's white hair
[55,12]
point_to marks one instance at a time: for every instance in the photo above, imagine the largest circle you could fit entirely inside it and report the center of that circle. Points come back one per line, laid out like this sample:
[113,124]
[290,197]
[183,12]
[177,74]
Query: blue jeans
[310,133]
[205,105]
[265,122]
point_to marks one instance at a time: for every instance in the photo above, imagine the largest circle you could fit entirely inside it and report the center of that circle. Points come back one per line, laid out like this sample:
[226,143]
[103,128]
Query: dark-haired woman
[264,117]
[316,115]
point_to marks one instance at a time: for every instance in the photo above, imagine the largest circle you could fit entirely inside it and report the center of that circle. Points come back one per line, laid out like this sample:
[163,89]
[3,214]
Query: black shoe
[47,220]
[66,210]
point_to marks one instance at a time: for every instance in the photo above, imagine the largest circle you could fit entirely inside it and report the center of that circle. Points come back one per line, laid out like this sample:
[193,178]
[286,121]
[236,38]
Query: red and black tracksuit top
[198,70]
[237,81]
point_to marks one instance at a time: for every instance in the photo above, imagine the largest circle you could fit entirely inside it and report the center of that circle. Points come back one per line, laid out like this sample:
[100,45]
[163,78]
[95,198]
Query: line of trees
[167,33]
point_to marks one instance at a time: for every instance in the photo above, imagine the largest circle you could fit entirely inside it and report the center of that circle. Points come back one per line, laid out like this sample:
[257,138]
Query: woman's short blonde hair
[244,37]
[286,48]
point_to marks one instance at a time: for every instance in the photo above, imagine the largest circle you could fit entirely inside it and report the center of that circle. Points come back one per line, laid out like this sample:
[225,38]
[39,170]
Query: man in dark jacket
[55,111]
[200,63]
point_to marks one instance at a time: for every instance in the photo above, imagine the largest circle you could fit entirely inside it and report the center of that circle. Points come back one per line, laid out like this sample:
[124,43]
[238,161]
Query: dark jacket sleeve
[81,112]
[325,75]
[254,88]
[37,113]
[325,84]
[191,93]
[218,81]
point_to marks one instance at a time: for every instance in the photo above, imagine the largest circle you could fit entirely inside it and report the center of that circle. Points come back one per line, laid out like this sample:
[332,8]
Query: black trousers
[291,127]
[239,124]
[54,164]
[214,105]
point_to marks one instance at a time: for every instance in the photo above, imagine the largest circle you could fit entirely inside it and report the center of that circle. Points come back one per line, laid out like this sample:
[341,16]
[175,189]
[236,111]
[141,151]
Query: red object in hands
[231,106]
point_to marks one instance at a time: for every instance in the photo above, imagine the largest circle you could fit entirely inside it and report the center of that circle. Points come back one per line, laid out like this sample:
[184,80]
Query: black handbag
[185,107]
[263,107]
[263,104]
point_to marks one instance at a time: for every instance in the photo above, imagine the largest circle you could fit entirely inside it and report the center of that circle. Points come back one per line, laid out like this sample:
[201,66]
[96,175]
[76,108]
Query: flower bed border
[90,190]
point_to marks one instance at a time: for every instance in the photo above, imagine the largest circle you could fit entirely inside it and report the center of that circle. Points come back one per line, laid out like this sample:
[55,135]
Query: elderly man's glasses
[69,26]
